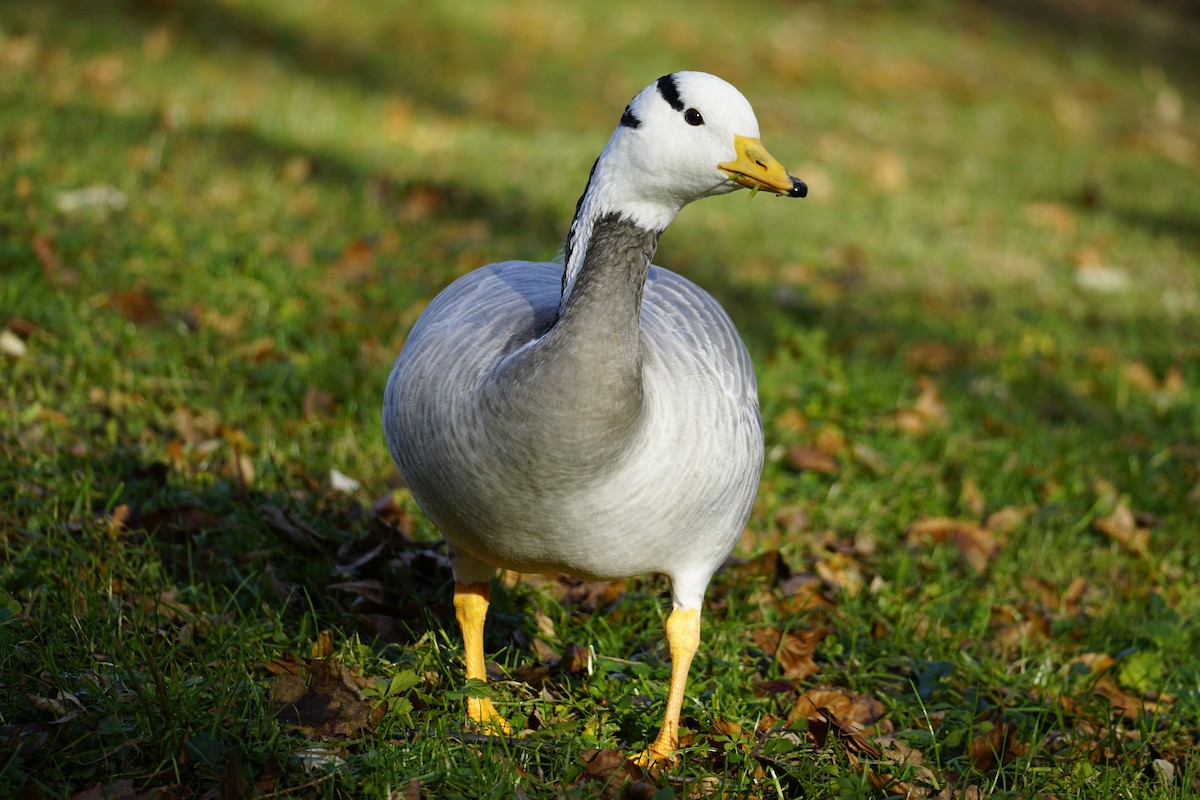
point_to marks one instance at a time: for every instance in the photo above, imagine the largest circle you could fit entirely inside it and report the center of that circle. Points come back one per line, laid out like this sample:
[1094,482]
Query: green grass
[298,179]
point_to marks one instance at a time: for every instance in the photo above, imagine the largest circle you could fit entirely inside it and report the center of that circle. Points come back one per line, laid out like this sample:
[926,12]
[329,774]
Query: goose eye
[692,117]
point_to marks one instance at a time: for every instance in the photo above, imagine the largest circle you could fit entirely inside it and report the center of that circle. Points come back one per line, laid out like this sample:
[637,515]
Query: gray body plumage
[619,438]
[598,417]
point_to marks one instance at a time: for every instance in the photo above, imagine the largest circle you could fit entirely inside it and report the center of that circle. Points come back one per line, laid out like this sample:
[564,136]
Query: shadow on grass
[1161,32]
[399,58]
[89,133]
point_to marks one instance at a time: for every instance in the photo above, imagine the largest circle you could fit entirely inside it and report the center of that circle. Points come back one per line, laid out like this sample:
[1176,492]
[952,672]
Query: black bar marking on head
[670,91]
[629,120]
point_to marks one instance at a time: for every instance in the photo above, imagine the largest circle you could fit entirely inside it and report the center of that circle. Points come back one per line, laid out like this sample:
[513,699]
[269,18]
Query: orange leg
[683,638]
[470,606]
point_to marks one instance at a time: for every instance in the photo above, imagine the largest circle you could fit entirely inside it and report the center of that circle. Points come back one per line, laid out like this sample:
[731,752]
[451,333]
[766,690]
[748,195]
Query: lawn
[971,569]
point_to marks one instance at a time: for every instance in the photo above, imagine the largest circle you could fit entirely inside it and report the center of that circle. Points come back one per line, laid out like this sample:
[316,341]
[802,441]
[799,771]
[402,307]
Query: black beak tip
[798,188]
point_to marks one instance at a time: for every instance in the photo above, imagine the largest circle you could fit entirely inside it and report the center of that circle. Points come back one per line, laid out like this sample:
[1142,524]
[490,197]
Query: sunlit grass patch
[976,353]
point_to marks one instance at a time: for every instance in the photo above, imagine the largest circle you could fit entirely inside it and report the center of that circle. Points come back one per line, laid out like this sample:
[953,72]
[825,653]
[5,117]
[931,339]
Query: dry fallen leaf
[53,272]
[793,650]
[323,698]
[972,498]
[926,413]
[613,769]
[1129,706]
[293,528]
[769,564]
[930,355]
[1016,630]
[1095,663]
[995,748]
[1140,377]
[791,421]
[842,571]
[1121,526]
[136,305]
[976,544]
[810,459]
[855,710]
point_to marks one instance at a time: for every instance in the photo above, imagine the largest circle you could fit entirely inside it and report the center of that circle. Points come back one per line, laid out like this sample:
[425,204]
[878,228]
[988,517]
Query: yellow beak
[755,168]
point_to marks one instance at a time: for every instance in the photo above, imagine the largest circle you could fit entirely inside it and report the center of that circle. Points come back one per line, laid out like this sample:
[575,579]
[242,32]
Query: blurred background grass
[221,218]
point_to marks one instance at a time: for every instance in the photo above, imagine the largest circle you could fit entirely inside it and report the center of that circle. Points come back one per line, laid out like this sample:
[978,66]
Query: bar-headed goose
[597,417]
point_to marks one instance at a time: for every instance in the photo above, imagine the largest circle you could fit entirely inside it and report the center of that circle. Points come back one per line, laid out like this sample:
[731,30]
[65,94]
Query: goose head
[686,136]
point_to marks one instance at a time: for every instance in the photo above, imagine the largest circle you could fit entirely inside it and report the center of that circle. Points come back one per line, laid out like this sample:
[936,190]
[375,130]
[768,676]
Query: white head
[686,136]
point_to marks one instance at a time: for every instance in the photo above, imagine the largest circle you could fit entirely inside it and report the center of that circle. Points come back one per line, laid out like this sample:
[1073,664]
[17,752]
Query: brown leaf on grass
[1055,598]
[323,646]
[369,588]
[793,650]
[120,519]
[803,458]
[103,71]
[1128,706]
[1173,384]
[136,305]
[1121,526]
[1139,376]
[791,421]
[576,659]
[995,748]
[240,468]
[970,496]
[64,707]
[53,272]
[287,664]
[293,528]
[1018,629]
[888,785]
[930,356]
[926,413]
[770,565]
[357,262]
[179,522]
[832,440]
[975,544]
[842,571]
[858,711]
[322,698]
[792,520]
[876,763]
[386,511]
[317,403]
[1095,663]
[803,591]
[167,607]
[195,427]
[613,769]
[359,559]
[260,350]
[573,592]
[1006,520]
